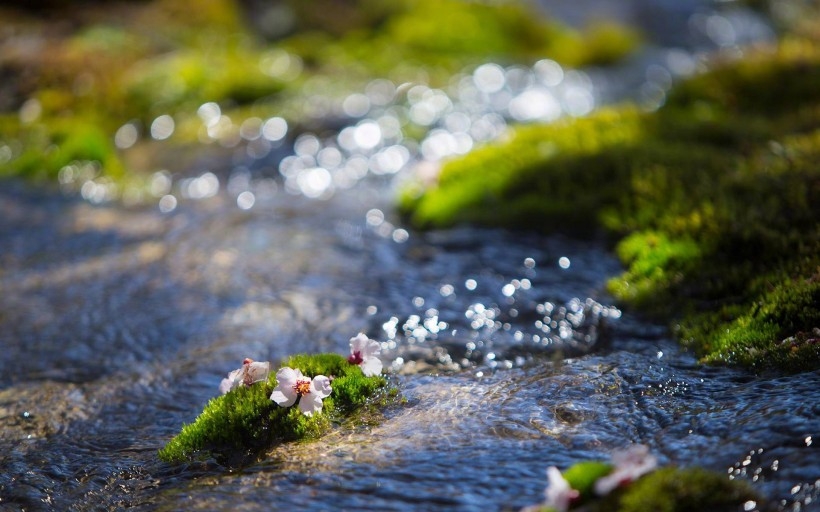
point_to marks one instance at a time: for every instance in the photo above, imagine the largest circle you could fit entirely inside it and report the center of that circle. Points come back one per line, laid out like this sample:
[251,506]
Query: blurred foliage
[715,199]
[98,67]
[433,39]
[237,426]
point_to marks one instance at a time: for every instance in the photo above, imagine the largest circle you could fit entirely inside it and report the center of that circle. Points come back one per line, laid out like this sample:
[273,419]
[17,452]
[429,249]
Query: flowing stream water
[118,322]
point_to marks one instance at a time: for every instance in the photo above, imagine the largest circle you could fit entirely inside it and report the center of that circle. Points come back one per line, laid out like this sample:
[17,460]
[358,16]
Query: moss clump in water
[668,489]
[715,200]
[583,475]
[680,490]
[239,425]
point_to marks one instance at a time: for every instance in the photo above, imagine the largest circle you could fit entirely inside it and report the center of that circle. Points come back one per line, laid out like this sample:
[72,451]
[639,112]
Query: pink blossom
[292,386]
[630,464]
[250,373]
[558,494]
[365,353]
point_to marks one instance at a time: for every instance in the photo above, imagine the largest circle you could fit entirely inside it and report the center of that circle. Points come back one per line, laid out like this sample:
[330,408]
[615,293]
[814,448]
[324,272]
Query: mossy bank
[238,426]
[714,201]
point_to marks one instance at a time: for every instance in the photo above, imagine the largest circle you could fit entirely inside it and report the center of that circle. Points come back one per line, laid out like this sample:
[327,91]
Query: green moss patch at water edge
[715,199]
[242,423]
[681,490]
[668,489]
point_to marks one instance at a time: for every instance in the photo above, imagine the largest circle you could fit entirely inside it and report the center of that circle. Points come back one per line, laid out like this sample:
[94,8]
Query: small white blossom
[250,373]
[558,494]
[365,353]
[292,386]
[630,464]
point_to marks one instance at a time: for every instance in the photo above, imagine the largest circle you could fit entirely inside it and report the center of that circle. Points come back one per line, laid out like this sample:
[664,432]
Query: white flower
[558,494]
[364,352]
[629,464]
[292,386]
[250,373]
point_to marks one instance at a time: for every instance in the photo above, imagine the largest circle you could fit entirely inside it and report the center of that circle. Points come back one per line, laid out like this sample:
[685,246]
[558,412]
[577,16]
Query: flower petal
[320,387]
[310,403]
[630,464]
[371,366]
[233,381]
[226,385]
[559,493]
[357,343]
[288,376]
[258,371]
[282,397]
[371,349]
[284,393]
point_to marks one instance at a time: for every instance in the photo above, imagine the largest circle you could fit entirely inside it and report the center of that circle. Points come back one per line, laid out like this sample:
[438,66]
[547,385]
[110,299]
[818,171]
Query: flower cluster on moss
[713,198]
[631,483]
[254,414]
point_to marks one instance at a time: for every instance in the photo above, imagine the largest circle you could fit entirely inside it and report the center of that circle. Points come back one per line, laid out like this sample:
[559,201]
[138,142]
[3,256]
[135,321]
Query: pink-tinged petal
[233,381]
[630,464]
[310,403]
[371,349]
[283,397]
[371,367]
[358,343]
[364,346]
[320,387]
[558,494]
[364,352]
[288,376]
[225,386]
[257,372]
[284,394]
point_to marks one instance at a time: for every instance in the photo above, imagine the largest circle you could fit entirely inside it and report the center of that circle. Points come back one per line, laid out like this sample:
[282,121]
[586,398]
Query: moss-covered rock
[715,199]
[668,489]
[237,426]
[680,490]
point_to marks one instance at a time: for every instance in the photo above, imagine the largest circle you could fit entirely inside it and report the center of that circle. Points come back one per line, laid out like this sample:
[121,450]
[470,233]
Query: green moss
[681,490]
[429,28]
[668,489]
[583,475]
[788,315]
[552,171]
[239,425]
[655,266]
[430,41]
[714,198]
[44,150]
